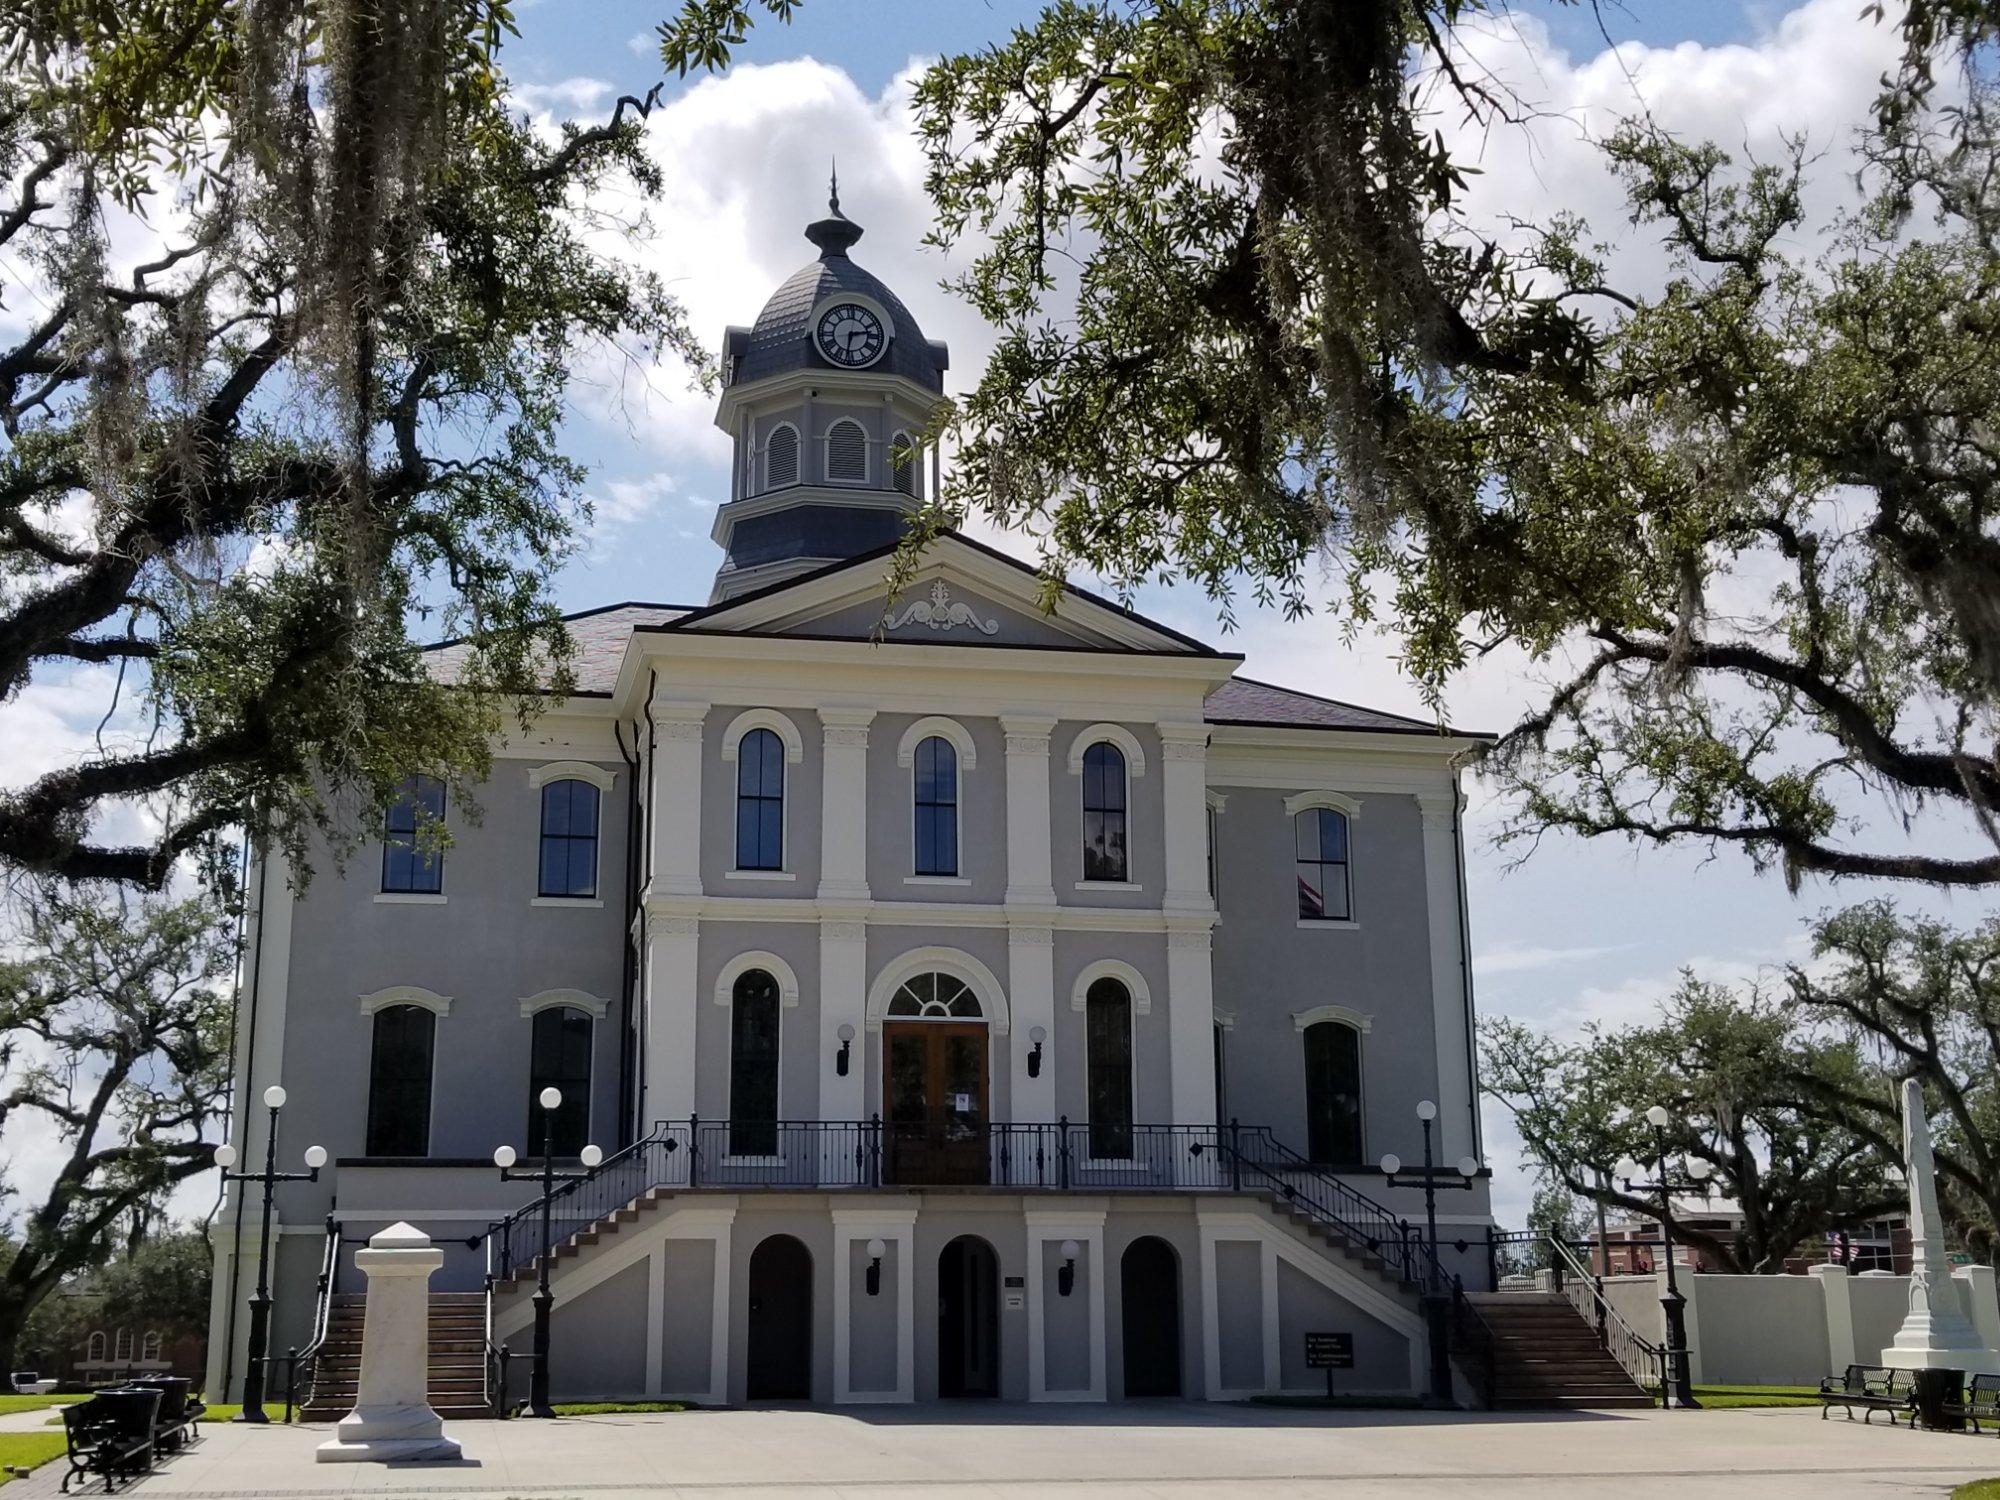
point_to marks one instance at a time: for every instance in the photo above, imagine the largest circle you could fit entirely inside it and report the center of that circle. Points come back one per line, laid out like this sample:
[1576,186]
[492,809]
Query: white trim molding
[571,770]
[1301,801]
[1342,1014]
[406,994]
[1117,734]
[950,731]
[770,963]
[1112,968]
[779,724]
[1217,801]
[953,961]
[569,1000]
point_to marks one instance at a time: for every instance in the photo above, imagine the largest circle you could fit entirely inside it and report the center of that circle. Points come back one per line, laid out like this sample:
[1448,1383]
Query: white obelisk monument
[1936,1334]
[392,1420]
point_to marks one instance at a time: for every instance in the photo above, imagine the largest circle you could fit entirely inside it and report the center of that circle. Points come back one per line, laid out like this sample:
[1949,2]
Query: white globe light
[1391,1164]
[1657,1116]
[315,1157]
[1699,1169]
[592,1155]
[1037,1035]
[1426,1110]
[846,1032]
[503,1157]
[274,1096]
[876,1249]
[225,1156]
[1468,1166]
[1627,1168]
[1071,1249]
[551,1098]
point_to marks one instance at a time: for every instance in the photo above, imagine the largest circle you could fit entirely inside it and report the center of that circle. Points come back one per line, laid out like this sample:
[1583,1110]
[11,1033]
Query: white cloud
[1528,958]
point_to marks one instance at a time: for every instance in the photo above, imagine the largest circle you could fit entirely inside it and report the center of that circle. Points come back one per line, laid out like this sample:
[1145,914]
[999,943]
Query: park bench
[174,1424]
[111,1436]
[1979,1403]
[1873,1388]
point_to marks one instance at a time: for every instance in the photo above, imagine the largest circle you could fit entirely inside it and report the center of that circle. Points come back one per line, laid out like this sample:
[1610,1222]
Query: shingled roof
[600,635]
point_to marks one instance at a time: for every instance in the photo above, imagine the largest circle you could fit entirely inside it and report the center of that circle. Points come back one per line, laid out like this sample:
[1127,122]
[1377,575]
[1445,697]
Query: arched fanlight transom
[935,997]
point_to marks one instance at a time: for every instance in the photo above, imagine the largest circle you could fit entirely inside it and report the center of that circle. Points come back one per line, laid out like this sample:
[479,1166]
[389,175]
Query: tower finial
[833,187]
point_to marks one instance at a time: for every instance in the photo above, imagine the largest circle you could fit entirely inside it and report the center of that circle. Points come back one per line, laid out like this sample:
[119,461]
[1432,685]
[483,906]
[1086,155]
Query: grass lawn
[603,1408]
[11,1404]
[26,1450]
[1979,1489]
[1724,1397]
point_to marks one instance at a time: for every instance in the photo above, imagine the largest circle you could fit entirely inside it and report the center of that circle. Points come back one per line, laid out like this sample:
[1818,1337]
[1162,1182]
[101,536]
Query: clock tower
[828,398]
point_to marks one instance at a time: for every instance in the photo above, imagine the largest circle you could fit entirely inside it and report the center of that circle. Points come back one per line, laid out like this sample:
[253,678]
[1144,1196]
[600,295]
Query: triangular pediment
[961,593]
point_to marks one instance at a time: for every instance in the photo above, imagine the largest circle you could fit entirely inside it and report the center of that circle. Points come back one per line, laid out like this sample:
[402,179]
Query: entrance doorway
[780,1339]
[934,1075]
[1149,1293]
[968,1318]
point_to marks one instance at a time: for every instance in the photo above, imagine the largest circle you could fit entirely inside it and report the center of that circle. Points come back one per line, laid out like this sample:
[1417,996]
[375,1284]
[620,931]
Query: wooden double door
[936,1128]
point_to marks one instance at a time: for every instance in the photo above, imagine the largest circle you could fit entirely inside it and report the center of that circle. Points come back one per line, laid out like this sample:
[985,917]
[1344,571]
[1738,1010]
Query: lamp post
[503,1157]
[260,1301]
[1436,1300]
[1680,1381]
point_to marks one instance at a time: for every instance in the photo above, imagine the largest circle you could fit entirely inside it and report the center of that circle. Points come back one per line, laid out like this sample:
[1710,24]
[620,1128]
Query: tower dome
[827,397]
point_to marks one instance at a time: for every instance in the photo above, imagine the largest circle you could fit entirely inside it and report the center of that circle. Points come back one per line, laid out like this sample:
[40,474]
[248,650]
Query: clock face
[850,335]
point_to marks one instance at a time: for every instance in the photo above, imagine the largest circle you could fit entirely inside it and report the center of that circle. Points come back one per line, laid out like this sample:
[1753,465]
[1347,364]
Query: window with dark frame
[1107,1014]
[1104,813]
[569,839]
[407,868]
[753,1065]
[760,801]
[1321,842]
[559,1058]
[399,1081]
[1333,1093]
[936,776]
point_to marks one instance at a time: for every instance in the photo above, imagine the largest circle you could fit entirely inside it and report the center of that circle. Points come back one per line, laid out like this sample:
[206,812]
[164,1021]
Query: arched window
[1320,834]
[903,461]
[569,839]
[408,869]
[781,457]
[1107,1014]
[1104,813]
[753,1065]
[93,1351]
[760,801]
[399,1081]
[559,1058]
[1333,1093]
[936,782]
[935,997]
[123,1345]
[846,453]
[149,1346]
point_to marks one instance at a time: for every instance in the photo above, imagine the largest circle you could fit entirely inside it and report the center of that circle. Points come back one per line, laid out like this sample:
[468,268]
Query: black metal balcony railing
[836,1155]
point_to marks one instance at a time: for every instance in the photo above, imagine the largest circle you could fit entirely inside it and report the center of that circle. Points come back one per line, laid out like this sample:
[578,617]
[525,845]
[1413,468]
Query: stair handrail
[323,1294]
[1342,1206]
[1583,1288]
[625,1171]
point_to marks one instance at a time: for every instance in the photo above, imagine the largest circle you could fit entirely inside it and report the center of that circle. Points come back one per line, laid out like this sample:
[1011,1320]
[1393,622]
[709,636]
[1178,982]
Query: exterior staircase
[458,1358]
[1546,1357]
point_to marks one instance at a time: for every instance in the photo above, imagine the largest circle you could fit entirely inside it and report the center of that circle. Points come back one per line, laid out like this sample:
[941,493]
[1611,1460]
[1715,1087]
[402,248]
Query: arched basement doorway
[1149,1285]
[968,1318]
[780,1337]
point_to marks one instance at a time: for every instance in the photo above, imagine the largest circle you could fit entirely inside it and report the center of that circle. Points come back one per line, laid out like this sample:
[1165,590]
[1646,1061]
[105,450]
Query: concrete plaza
[1105,1453]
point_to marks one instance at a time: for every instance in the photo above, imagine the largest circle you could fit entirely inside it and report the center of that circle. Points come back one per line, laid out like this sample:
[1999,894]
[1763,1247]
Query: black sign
[1014,1281]
[1329,1351]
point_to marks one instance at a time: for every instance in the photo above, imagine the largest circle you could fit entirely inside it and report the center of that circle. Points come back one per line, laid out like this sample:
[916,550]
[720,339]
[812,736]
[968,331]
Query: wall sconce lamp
[846,1035]
[876,1250]
[1037,1035]
[1066,1277]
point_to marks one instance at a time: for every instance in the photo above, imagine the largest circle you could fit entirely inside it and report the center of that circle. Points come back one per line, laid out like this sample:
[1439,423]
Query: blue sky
[1577,931]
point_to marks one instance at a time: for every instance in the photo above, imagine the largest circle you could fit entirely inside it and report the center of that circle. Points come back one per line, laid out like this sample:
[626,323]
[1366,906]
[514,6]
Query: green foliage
[162,1285]
[28,1450]
[703,34]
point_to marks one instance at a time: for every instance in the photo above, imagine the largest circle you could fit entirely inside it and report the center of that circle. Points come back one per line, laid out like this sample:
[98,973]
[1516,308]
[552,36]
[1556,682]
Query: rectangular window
[753,1066]
[569,839]
[559,1058]
[413,818]
[936,773]
[1108,1065]
[760,802]
[399,1082]
[1104,813]
[1322,865]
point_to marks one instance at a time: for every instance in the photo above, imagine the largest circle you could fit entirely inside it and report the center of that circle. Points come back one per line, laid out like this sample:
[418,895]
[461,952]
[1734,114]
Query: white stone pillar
[673,802]
[673,947]
[1030,869]
[1982,1303]
[392,1420]
[1457,1127]
[843,1001]
[1191,1023]
[843,845]
[1031,986]
[1837,1291]
[1184,787]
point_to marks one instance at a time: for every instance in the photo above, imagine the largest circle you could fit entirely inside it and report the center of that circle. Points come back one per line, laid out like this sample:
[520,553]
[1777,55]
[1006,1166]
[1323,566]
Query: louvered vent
[847,453]
[904,456]
[781,459]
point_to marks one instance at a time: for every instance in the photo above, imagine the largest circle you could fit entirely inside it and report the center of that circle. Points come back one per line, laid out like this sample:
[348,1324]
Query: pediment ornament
[941,612]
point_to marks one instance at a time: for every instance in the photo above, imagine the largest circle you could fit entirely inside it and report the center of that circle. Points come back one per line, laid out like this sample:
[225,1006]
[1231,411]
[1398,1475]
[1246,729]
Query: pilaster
[1030,867]
[843,847]
[673,802]
[1191,1023]
[1031,986]
[1458,1128]
[1184,787]
[843,1001]
[673,947]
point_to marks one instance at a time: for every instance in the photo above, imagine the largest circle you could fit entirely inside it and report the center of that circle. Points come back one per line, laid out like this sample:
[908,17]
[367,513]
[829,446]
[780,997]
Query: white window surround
[1218,801]
[1301,801]
[1328,924]
[826,452]
[950,731]
[585,902]
[1340,1014]
[759,874]
[410,898]
[1109,885]
[937,880]
[566,999]
[406,994]
[1117,734]
[953,961]
[571,770]
[912,463]
[1112,968]
[781,483]
[770,963]
[764,718]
